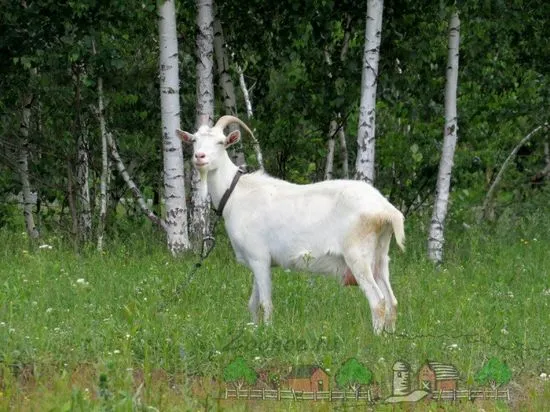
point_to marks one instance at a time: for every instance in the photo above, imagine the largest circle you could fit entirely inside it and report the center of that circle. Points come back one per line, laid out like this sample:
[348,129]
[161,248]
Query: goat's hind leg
[360,258]
[383,280]
[382,276]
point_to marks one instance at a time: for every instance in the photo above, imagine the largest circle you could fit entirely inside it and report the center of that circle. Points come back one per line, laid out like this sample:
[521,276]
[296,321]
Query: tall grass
[82,329]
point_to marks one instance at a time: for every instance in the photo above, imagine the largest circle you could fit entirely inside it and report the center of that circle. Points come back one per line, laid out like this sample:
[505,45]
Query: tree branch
[498,178]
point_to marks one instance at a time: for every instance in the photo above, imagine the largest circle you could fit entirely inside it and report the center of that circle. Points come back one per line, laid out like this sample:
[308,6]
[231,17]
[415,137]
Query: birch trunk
[174,186]
[23,166]
[330,152]
[436,238]
[82,178]
[250,114]
[131,185]
[488,209]
[366,134]
[104,166]
[343,152]
[336,128]
[82,169]
[227,88]
[204,115]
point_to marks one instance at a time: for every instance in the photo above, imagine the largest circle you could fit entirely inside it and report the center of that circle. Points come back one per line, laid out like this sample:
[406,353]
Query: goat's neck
[220,179]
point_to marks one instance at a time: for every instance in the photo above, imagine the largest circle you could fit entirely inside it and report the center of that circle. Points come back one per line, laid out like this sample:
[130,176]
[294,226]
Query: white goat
[340,227]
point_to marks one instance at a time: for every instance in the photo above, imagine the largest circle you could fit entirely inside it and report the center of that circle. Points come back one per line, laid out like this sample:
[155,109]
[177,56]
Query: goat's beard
[203,185]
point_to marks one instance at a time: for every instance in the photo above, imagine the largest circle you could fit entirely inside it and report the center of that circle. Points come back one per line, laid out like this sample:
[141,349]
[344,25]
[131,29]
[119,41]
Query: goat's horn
[224,121]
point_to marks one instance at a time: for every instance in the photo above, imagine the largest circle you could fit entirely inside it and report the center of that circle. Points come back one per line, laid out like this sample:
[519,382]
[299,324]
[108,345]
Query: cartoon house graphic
[308,378]
[401,378]
[436,376]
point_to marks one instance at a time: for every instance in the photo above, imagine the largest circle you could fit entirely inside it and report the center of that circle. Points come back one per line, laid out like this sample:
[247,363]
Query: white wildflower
[2,324]
[82,281]
[116,351]
[453,346]
[257,358]
[44,246]
[504,331]
[546,292]
[49,310]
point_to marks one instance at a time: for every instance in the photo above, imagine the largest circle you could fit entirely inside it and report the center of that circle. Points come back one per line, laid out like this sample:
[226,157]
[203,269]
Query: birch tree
[104,166]
[227,87]
[84,210]
[329,167]
[174,186]
[366,134]
[23,166]
[436,238]
[335,128]
[205,112]
[249,114]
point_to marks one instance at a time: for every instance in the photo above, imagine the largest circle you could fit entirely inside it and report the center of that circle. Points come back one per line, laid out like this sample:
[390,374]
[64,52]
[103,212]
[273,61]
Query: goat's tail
[398,224]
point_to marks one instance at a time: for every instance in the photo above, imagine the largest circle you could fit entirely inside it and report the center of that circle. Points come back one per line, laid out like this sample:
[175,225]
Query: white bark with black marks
[174,186]
[436,237]
[329,167]
[366,134]
[23,167]
[487,209]
[83,184]
[343,152]
[250,114]
[227,87]
[132,186]
[104,166]
[204,113]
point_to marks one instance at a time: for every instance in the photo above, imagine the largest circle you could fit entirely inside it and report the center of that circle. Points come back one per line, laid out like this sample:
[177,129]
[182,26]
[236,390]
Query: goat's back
[289,222]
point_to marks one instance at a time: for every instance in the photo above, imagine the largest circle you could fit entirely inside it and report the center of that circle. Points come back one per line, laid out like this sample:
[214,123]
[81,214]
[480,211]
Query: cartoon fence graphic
[289,394]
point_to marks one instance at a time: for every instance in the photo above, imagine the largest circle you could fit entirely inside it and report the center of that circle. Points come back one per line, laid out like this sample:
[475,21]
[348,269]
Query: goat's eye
[221,143]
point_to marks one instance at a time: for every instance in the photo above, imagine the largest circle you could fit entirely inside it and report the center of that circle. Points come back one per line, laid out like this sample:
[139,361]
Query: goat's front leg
[262,287]
[254,301]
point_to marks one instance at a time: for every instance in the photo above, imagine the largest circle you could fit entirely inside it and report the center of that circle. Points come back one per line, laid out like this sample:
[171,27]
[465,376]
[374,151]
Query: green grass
[84,331]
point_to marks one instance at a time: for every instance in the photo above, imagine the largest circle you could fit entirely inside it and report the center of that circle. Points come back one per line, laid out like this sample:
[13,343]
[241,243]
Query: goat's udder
[348,279]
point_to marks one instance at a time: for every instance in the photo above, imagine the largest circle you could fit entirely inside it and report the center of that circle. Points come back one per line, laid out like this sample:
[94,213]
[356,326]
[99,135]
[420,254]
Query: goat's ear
[232,138]
[185,137]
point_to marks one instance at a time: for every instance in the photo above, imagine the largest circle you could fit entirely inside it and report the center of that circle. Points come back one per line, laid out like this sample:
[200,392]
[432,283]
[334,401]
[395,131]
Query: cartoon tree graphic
[353,374]
[494,373]
[239,373]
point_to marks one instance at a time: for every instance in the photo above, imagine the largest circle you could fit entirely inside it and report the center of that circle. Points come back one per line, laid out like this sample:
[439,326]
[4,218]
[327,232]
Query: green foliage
[239,373]
[353,374]
[495,373]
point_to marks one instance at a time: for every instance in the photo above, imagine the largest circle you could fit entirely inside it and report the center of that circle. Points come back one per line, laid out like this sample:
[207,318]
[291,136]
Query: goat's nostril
[200,155]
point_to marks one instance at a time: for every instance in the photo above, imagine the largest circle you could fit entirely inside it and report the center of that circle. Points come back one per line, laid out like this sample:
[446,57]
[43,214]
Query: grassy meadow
[129,329]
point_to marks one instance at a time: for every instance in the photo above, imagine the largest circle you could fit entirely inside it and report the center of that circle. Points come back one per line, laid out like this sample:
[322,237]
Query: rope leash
[204,253]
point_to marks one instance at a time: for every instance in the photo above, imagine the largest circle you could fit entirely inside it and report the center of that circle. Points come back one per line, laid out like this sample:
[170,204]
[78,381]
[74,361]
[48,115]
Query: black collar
[228,192]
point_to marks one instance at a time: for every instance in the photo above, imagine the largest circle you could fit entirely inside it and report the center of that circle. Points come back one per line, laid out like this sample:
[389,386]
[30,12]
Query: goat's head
[210,143]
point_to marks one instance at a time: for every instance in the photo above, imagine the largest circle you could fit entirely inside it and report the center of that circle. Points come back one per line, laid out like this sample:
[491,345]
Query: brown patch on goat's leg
[348,279]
